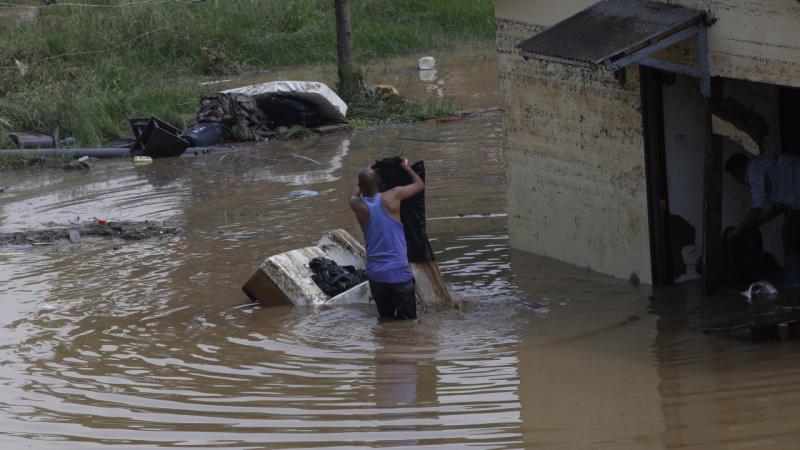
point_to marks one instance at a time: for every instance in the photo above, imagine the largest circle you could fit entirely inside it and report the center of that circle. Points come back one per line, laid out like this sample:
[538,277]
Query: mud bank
[125,230]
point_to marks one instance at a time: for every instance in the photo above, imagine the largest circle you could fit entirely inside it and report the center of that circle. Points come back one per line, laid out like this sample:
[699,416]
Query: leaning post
[350,79]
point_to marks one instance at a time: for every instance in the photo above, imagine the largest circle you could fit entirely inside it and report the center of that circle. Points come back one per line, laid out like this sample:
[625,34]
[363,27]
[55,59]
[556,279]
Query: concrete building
[620,115]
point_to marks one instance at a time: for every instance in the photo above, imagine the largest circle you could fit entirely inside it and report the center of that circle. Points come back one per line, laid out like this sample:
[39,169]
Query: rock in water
[303,194]
[74,236]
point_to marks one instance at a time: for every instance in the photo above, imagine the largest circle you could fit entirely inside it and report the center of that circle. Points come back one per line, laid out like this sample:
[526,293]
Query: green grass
[90,69]
[8,162]
[295,132]
[375,108]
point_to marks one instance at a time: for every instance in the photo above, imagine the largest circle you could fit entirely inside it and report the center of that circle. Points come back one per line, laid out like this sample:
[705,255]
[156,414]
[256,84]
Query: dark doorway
[789,103]
[652,81]
[676,126]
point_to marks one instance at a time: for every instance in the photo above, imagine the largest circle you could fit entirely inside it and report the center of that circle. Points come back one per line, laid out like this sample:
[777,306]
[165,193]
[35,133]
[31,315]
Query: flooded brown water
[141,344]
[466,77]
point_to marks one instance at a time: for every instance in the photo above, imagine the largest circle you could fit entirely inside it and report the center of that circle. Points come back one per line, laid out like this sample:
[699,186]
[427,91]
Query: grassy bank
[87,69]
[24,162]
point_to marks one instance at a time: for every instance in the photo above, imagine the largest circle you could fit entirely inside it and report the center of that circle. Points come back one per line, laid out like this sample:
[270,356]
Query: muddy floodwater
[140,344]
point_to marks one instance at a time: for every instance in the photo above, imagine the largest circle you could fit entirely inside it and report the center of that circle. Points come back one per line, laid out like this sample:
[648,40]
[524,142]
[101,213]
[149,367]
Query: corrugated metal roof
[608,30]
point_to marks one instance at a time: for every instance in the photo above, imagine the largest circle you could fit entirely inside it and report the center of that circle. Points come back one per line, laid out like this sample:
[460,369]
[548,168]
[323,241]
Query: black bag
[412,210]
[290,111]
[334,279]
[205,134]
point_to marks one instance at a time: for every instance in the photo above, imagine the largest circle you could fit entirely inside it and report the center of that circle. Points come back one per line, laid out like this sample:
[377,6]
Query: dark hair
[736,163]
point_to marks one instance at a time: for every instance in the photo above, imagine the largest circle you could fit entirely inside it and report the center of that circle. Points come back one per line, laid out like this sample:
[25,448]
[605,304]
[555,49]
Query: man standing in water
[378,214]
[776,180]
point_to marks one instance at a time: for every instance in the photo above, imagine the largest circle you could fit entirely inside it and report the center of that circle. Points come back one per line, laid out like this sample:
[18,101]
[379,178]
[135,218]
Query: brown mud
[141,345]
[126,230]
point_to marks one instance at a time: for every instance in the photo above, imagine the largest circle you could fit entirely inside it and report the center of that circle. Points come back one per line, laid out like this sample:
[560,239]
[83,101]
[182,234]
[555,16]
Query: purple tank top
[387,259]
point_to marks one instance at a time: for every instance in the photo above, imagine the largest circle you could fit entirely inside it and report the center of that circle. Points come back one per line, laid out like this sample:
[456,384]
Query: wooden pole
[350,80]
[344,35]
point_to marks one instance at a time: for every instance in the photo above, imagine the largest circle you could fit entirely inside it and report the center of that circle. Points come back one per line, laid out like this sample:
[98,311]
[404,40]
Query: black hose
[106,152]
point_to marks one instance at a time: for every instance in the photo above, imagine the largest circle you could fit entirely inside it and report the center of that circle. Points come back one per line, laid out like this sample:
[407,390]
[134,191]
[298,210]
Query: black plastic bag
[290,111]
[334,279]
[205,134]
[412,210]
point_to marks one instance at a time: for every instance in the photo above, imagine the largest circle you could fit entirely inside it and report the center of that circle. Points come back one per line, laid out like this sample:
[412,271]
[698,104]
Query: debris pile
[252,113]
[126,230]
[81,163]
[239,116]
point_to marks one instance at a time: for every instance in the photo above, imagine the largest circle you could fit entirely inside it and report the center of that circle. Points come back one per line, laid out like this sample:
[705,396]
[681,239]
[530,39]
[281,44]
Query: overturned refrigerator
[287,278]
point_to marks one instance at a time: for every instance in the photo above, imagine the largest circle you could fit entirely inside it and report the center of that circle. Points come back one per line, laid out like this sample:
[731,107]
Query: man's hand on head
[401,193]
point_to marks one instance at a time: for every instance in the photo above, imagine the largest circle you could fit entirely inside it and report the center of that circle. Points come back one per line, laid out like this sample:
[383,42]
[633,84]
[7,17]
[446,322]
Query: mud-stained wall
[755,40]
[574,150]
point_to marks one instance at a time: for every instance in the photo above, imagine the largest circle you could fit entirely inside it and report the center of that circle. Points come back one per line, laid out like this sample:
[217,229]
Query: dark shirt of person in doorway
[378,213]
[777,181]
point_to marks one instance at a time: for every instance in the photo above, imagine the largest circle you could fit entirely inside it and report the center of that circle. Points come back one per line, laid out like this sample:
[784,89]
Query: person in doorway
[777,181]
[378,214]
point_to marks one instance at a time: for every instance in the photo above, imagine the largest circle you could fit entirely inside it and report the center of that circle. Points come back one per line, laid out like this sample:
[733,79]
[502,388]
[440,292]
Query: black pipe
[106,152]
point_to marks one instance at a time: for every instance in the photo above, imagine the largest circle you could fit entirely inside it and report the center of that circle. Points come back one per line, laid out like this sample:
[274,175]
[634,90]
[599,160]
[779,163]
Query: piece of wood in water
[328,129]
[430,286]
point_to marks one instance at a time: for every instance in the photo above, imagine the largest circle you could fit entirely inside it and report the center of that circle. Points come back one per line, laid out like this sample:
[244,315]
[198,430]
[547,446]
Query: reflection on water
[140,345]
[308,176]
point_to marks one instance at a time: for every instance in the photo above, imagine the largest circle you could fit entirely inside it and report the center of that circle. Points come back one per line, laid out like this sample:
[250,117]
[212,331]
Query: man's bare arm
[355,196]
[359,208]
[401,193]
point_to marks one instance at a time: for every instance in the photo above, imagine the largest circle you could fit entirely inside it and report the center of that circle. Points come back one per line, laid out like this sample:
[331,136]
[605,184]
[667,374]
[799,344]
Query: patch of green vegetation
[295,132]
[378,107]
[13,162]
[83,71]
